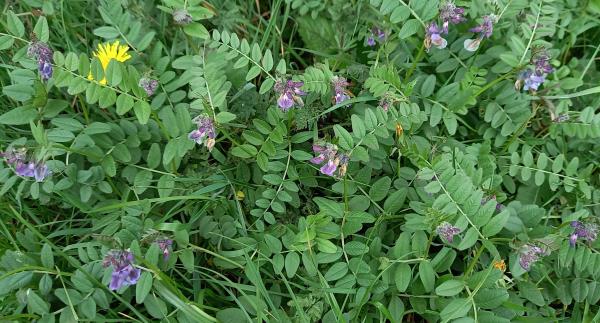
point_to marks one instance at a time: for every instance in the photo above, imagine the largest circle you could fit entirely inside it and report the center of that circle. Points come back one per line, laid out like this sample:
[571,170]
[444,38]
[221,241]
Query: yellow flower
[107,52]
[500,265]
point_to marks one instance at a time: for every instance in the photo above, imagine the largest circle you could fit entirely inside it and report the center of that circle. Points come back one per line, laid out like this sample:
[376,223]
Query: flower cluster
[484,30]
[182,17]
[532,78]
[205,132]
[124,273]
[447,231]
[289,94]
[339,87]
[449,14]
[40,51]
[149,85]
[165,245]
[333,160]
[377,34]
[24,167]
[584,231]
[529,254]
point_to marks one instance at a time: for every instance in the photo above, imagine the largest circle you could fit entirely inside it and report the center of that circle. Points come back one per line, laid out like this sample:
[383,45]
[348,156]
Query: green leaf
[427,275]
[402,277]
[244,151]
[47,257]
[253,72]
[358,126]
[142,111]
[266,86]
[143,287]
[267,60]
[224,117]
[428,86]
[124,103]
[113,73]
[337,271]
[457,308]
[409,28]
[399,14]
[380,189]
[6,42]
[18,92]
[450,288]
[496,224]
[36,303]
[292,261]
[14,24]
[197,30]
[281,69]
[41,29]
[344,138]
[18,116]
[356,248]
[106,32]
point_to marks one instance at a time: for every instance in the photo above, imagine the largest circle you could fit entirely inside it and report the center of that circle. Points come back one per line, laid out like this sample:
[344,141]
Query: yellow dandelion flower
[107,52]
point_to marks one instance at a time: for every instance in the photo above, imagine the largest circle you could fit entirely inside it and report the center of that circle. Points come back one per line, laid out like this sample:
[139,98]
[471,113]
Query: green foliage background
[259,234]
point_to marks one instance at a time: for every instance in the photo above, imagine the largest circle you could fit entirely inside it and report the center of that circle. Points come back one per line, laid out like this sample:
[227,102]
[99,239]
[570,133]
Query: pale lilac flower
[530,254]
[433,37]
[451,14]
[164,245]
[182,17]
[339,87]
[24,167]
[149,85]
[45,69]
[289,94]
[330,159]
[530,80]
[205,132]
[484,30]
[584,231]
[124,273]
[447,231]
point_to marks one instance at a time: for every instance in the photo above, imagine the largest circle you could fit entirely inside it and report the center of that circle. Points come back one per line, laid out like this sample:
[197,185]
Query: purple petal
[285,101]
[318,160]
[329,168]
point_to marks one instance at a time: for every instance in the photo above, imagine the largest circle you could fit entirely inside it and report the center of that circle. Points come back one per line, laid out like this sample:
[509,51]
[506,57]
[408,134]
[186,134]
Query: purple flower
[377,34]
[205,132]
[164,245]
[486,28]
[529,80]
[385,102]
[541,60]
[43,54]
[530,254]
[585,231]
[333,160]
[339,87]
[289,94]
[447,231]
[182,17]
[149,85]
[24,167]
[451,14]
[433,37]
[124,273]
